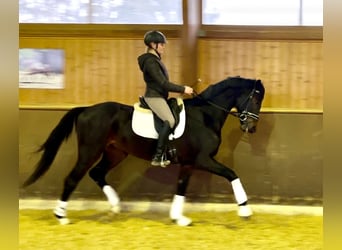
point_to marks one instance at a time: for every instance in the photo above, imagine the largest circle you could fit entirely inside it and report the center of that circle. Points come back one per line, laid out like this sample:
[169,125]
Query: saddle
[175,109]
[145,123]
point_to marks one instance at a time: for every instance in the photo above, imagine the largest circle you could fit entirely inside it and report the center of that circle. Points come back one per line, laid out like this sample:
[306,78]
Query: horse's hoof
[245,211]
[116,209]
[183,221]
[63,220]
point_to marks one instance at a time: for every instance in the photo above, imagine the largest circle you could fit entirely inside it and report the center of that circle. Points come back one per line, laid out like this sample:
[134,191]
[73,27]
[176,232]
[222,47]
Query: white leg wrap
[239,192]
[176,211]
[177,206]
[60,209]
[112,197]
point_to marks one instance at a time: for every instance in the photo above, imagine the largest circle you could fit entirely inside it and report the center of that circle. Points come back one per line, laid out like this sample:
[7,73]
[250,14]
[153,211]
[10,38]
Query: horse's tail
[50,147]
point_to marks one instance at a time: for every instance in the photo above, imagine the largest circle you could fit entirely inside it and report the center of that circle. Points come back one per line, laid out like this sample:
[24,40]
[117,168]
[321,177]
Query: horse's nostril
[252,130]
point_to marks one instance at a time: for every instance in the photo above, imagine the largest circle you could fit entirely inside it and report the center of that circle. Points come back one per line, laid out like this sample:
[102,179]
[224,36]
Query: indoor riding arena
[77,59]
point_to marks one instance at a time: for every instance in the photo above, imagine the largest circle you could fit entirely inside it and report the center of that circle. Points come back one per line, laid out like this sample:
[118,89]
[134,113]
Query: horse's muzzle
[249,126]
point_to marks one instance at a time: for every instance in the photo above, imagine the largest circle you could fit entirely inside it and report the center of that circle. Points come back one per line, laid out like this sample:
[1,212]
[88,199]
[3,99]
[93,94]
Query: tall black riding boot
[159,159]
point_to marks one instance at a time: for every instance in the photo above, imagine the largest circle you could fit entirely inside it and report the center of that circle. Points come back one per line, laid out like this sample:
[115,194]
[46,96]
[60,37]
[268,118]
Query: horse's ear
[260,82]
[262,88]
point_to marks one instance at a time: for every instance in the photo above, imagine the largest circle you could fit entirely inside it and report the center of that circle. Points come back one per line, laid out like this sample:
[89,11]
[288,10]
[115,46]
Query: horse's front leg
[177,205]
[244,210]
[240,195]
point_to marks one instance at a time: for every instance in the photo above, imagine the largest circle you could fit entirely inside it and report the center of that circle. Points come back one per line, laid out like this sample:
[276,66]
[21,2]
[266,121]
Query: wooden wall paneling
[97,70]
[105,68]
[173,60]
[254,32]
[290,70]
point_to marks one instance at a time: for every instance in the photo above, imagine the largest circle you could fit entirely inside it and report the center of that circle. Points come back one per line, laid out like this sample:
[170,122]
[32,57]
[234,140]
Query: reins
[243,116]
[195,94]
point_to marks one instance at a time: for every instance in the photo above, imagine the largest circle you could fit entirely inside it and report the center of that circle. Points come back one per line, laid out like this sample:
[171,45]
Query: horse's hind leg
[177,205]
[87,157]
[109,160]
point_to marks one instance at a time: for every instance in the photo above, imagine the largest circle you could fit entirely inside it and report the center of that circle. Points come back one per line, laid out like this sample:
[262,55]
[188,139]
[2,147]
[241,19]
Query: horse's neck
[209,107]
[218,114]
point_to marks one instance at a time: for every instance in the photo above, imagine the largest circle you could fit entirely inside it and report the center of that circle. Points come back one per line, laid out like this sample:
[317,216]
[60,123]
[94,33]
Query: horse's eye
[256,101]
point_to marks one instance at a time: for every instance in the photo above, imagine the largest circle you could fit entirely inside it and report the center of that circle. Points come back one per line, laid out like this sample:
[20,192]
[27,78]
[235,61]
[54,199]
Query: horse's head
[246,95]
[248,105]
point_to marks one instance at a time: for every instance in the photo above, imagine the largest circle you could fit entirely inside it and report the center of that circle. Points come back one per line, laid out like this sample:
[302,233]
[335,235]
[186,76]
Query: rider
[157,90]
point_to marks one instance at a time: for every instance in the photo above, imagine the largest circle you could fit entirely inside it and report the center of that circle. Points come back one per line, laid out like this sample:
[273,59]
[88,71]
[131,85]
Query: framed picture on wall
[41,68]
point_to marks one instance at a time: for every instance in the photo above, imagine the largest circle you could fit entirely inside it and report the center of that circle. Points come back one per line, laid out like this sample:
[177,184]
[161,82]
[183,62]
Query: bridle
[244,115]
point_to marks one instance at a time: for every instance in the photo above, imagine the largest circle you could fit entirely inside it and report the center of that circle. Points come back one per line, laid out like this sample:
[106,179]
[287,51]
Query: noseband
[244,115]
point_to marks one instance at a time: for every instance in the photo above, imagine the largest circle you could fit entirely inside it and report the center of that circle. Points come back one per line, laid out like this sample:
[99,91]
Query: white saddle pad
[143,123]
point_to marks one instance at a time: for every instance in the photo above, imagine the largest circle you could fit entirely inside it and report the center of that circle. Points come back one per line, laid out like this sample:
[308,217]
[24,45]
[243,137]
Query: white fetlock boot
[60,212]
[176,211]
[113,198]
[244,211]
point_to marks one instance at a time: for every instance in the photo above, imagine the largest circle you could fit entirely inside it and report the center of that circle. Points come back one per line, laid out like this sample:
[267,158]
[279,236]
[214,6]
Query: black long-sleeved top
[156,77]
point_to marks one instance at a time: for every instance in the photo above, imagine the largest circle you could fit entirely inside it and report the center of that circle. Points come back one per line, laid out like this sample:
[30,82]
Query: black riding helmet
[154,36]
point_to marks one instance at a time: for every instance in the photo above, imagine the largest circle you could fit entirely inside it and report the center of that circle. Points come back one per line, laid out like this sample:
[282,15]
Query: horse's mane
[230,82]
[216,89]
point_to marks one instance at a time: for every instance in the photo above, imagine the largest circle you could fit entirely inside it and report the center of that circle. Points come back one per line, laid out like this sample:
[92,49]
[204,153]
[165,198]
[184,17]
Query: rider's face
[160,47]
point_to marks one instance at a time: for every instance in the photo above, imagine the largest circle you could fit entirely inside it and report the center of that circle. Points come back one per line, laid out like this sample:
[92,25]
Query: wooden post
[192,15]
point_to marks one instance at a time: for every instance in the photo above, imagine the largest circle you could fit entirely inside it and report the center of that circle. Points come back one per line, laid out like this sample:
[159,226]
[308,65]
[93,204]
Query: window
[101,11]
[215,12]
[312,12]
[52,11]
[263,12]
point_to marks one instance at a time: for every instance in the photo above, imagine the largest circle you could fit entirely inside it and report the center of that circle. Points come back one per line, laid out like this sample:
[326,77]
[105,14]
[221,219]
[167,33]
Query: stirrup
[161,162]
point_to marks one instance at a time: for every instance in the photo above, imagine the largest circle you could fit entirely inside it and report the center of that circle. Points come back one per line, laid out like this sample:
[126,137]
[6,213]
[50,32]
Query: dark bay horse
[105,136]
